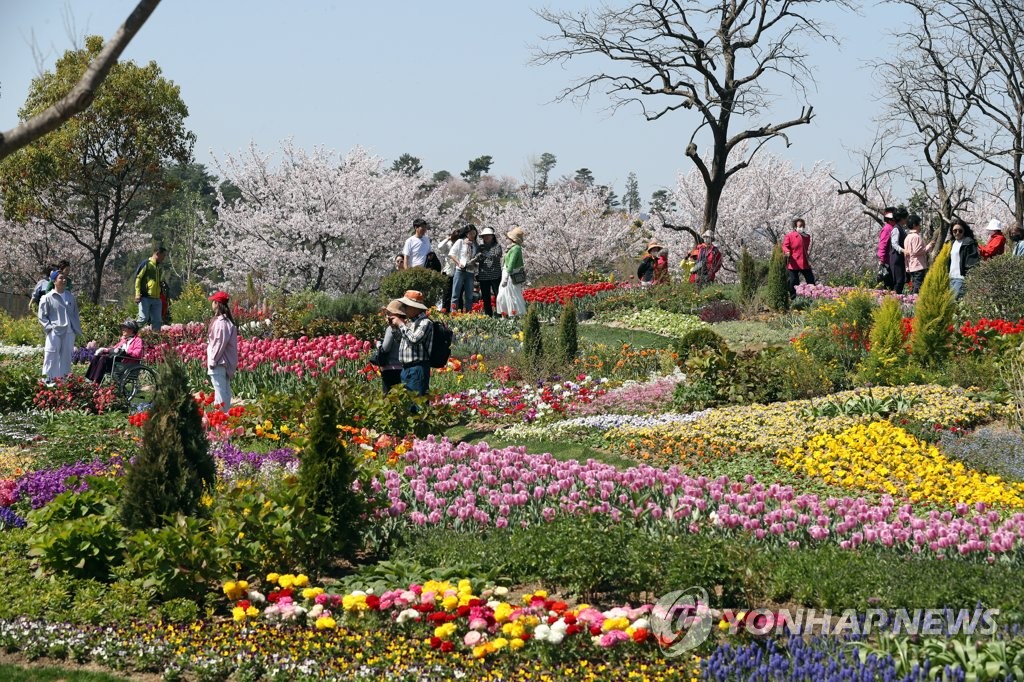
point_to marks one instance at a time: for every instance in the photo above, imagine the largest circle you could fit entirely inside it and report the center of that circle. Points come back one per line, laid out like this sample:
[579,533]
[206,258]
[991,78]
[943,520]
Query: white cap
[994,226]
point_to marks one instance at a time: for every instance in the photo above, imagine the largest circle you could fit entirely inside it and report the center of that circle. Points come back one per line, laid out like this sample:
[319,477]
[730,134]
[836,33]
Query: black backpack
[139,269]
[440,345]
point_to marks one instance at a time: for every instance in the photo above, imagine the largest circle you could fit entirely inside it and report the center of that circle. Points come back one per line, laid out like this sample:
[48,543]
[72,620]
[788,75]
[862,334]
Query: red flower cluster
[975,337]
[74,393]
[316,356]
[563,293]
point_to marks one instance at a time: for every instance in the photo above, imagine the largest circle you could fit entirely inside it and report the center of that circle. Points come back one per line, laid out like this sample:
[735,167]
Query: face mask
[1016,236]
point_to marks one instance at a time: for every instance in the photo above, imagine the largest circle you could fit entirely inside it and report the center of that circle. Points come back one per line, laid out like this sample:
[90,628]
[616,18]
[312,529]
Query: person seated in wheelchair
[127,350]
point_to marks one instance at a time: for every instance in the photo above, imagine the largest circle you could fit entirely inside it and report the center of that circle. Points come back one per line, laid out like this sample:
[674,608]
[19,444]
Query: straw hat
[516,234]
[413,299]
[653,244]
[395,308]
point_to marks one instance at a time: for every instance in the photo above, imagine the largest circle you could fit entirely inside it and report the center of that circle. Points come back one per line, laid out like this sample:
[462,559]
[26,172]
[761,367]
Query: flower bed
[475,486]
[655,320]
[822,291]
[524,403]
[633,397]
[315,356]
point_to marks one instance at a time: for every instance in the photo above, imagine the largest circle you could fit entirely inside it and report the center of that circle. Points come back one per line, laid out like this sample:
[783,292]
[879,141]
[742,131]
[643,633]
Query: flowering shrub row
[524,403]
[318,355]
[822,291]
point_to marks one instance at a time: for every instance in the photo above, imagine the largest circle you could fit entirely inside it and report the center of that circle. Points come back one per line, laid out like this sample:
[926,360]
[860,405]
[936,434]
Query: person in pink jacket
[128,349]
[796,246]
[885,247]
[221,350]
[916,253]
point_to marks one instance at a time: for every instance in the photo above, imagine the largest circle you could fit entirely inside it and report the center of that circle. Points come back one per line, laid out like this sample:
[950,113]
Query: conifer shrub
[995,289]
[533,344]
[568,334]
[777,289]
[427,282]
[701,338]
[173,468]
[930,341]
[887,355]
[750,279]
[327,471]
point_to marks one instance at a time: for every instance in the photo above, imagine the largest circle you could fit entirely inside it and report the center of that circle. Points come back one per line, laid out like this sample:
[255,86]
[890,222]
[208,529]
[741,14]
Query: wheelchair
[134,381]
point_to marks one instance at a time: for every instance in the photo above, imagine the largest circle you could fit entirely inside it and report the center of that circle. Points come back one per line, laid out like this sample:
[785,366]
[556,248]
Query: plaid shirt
[416,337]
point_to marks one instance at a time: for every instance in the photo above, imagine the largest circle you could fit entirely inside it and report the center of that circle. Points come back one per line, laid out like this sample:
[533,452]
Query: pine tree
[748,275]
[886,353]
[933,315]
[326,473]
[777,295]
[568,334]
[173,467]
[533,345]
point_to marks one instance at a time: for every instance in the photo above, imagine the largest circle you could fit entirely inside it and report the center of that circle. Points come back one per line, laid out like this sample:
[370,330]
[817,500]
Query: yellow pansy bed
[782,427]
[881,457]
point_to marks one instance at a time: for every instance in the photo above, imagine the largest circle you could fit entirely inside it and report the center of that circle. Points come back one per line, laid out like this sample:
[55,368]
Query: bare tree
[873,187]
[80,96]
[715,58]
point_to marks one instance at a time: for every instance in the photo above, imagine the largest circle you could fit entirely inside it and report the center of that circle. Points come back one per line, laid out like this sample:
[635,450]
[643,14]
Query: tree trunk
[97,282]
[712,199]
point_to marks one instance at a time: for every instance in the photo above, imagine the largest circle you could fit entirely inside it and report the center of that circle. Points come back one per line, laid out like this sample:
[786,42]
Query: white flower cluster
[20,351]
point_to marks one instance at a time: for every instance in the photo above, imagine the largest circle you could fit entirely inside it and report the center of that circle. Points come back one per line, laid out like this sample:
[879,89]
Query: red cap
[220,297]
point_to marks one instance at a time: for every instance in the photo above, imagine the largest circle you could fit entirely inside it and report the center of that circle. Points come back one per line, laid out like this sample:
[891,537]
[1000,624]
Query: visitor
[897,263]
[58,313]
[707,261]
[64,267]
[996,244]
[447,267]
[963,255]
[221,350]
[432,262]
[464,255]
[645,271]
[40,288]
[661,275]
[148,289]
[416,331]
[417,246]
[489,276]
[1017,237]
[513,277]
[885,247]
[796,246]
[399,263]
[916,254]
[390,365]
[128,349]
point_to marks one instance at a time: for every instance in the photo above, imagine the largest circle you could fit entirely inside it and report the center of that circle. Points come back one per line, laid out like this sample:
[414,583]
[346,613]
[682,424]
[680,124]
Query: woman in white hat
[996,243]
[489,275]
[513,277]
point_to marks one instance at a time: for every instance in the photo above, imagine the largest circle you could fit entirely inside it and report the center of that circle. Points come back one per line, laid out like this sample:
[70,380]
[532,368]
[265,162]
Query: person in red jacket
[996,243]
[796,246]
[707,261]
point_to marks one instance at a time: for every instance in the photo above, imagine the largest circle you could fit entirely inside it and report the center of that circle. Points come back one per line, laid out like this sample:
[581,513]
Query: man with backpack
[147,289]
[418,350]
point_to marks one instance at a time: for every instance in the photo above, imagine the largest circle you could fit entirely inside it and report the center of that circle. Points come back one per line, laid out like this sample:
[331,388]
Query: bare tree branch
[80,96]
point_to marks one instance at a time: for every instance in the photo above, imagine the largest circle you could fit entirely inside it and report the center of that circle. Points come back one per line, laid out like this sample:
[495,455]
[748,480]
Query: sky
[446,81]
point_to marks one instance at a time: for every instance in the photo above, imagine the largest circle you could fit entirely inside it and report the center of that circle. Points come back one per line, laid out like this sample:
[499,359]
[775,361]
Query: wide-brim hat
[395,307]
[653,244]
[516,234]
[994,226]
[413,299]
[486,231]
[220,297]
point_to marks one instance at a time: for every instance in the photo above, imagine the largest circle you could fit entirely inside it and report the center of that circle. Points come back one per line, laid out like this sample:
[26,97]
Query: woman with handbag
[513,277]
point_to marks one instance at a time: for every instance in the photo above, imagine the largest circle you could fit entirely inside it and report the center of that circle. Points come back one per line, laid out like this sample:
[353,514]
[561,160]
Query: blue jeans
[151,310]
[416,377]
[957,285]
[221,387]
[462,290]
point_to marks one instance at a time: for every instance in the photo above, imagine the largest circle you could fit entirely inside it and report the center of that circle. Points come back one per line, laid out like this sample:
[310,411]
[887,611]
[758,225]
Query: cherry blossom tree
[568,228]
[316,221]
[758,207]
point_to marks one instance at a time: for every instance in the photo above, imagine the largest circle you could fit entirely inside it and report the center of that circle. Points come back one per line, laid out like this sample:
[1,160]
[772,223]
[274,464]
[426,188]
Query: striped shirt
[416,337]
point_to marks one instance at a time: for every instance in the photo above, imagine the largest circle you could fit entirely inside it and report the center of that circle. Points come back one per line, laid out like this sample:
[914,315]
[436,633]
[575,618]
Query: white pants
[221,387]
[57,354]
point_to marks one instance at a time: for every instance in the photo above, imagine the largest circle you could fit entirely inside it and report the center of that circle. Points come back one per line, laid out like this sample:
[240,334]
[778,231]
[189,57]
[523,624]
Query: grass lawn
[563,451]
[614,337]
[13,673]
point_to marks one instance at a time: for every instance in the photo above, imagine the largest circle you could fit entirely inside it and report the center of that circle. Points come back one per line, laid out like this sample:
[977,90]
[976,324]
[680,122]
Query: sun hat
[889,212]
[413,299]
[994,226]
[395,308]
[708,234]
[653,244]
[516,234]
[220,297]
[486,231]
[130,324]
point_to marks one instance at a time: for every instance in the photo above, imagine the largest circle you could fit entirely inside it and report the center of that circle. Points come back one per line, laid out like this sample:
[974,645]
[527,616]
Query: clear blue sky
[445,81]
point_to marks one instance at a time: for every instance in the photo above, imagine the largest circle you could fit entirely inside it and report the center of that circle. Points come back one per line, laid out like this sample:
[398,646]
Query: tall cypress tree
[777,294]
[748,275]
[533,344]
[933,315]
[173,468]
[568,334]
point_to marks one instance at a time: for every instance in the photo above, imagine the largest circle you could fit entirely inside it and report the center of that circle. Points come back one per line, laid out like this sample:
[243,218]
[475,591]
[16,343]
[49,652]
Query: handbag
[518,276]
[883,272]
